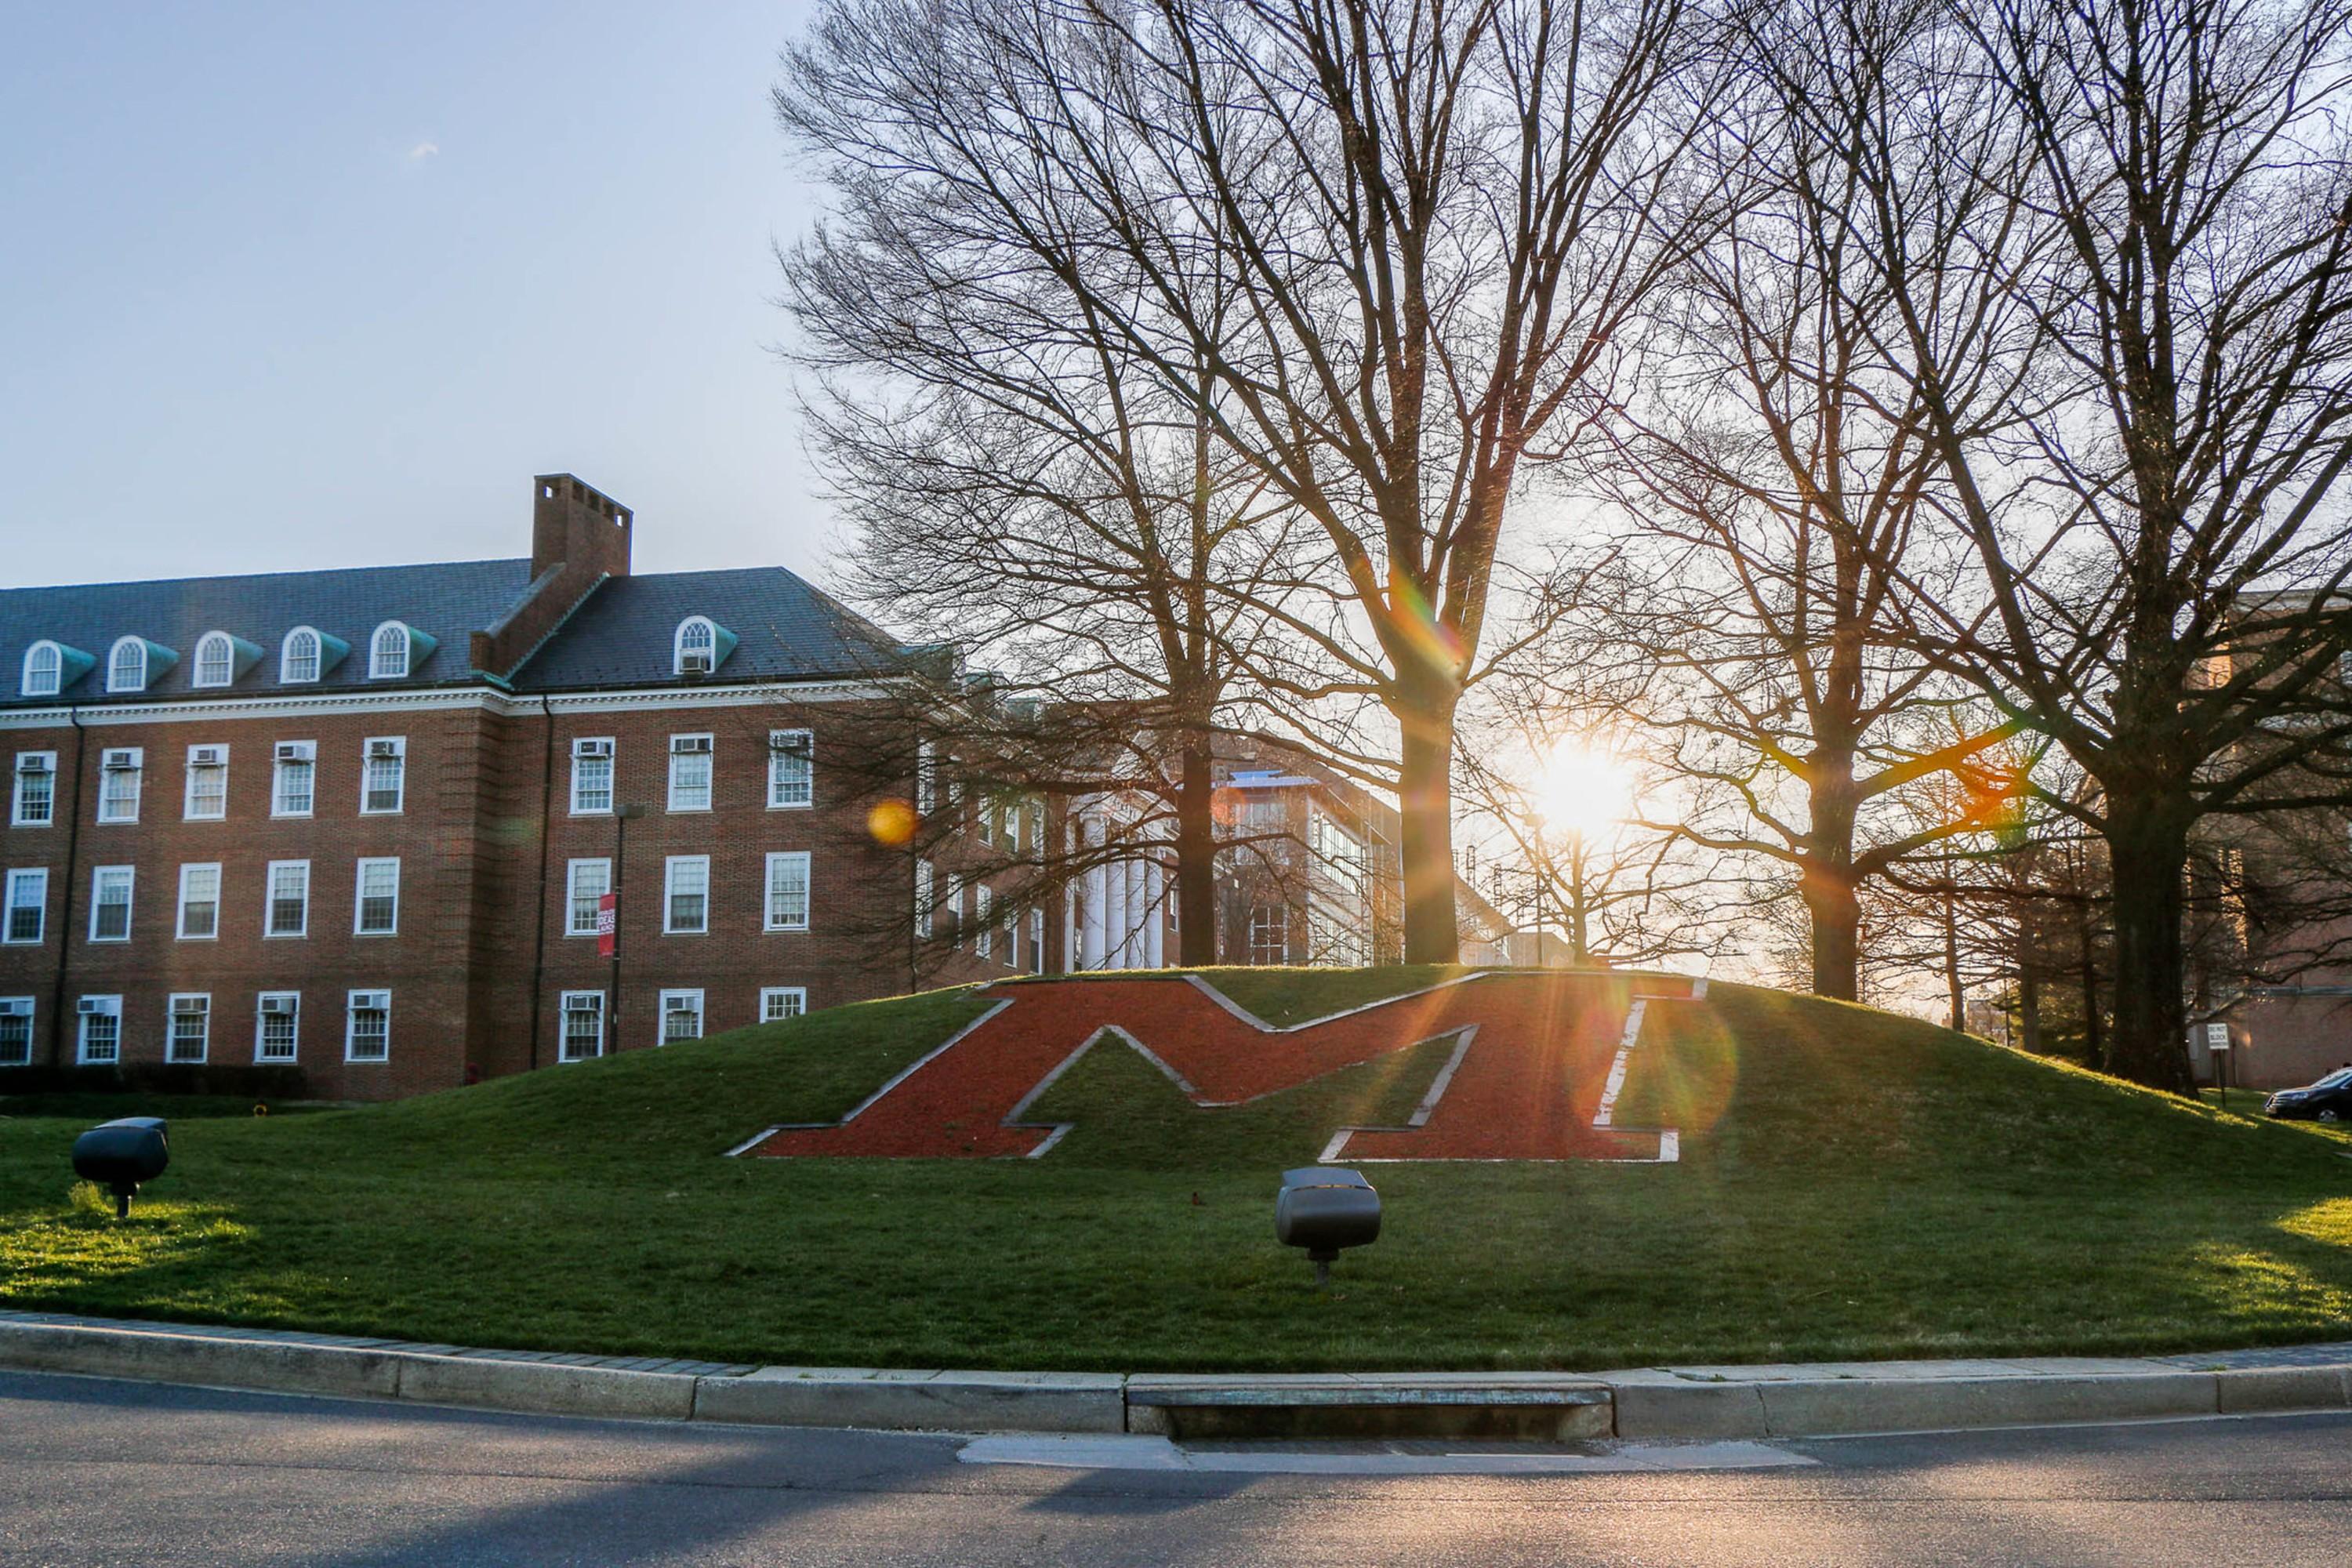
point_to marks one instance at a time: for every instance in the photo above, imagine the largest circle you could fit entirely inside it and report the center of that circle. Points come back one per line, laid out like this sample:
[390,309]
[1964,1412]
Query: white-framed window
[120,771]
[983,922]
[388,652]
[778,1002]
[28,907]
[1269,934]
[215,660]
[126,666]
[788,891]
[45,670]
[792,768]
[383,776]
[1036,816]
[583,1032]
[591,776]
[927,776]
[922,898]
[689,773]
[951,901]
[376,904]
[109,904]
[278,1027]
[15,1031]
[367,1026]
[188,1026]
[694,649]
[681,1017]
[294,778]
[289,908]
[199,918]
[35,803]
[99,1039]
[685,895]
[585,883]
[1036,942]
[207,792]
[300,657]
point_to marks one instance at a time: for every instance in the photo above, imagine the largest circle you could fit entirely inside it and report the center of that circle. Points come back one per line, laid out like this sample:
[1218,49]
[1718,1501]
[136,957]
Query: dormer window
[126,666]
[45,665]
[697,646]
[388,653]
[297,661]
[216,659]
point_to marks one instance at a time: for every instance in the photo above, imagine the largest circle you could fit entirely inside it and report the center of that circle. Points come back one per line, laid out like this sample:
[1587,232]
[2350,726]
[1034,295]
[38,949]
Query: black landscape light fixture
[1324,1209]
[119,1155]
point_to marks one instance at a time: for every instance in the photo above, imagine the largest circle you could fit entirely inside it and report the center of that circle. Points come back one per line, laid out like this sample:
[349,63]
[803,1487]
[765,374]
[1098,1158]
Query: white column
[1155,914]
[1098,905]
[1115,915]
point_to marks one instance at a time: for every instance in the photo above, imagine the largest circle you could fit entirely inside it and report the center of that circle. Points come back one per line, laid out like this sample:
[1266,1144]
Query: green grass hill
[1852,1184]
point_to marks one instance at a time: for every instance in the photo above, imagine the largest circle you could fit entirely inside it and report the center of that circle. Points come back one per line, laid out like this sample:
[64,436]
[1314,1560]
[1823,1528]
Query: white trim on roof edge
[460,699]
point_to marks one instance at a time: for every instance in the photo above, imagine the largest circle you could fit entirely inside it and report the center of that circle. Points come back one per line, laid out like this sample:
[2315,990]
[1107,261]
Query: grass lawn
[1852,1184]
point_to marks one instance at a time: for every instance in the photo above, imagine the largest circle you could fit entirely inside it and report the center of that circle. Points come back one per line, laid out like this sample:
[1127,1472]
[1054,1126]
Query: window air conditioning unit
[379,1001]
[694,664]
[92,1006]
[16,1007]
[207,756]
[689,745]
[293,751]
[277,1006]
[384,748]
[591,748]
[32,761]
[192,1004]
[118,760]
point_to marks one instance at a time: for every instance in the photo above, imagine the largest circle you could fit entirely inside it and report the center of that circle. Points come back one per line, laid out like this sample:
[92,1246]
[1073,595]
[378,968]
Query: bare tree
[2140,215]
[1785,489]
[1384,247]
[1016,476]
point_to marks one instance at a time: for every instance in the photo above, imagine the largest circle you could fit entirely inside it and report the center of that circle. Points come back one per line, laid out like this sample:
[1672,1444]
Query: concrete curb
[1651,1403]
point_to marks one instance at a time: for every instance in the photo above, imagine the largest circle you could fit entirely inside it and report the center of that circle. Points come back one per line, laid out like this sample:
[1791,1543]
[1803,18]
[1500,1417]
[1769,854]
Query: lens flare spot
[892,824]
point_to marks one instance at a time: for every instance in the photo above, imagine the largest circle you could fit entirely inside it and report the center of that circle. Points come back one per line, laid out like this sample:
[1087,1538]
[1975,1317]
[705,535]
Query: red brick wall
[469,840]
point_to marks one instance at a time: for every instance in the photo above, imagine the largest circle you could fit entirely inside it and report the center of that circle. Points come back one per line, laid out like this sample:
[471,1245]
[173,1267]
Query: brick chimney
[579,537]
[574,526]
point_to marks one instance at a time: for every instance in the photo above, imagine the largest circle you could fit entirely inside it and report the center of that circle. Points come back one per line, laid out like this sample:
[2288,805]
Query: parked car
[2329,1099]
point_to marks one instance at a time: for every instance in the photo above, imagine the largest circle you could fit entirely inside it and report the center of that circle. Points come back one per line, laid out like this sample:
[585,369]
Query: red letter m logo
[1536,1065]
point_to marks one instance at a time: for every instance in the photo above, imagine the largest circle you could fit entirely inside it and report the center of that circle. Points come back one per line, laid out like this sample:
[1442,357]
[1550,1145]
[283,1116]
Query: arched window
[298,660]
[388,652]
[126,666]
[215,660]
[697,649]
[45,665]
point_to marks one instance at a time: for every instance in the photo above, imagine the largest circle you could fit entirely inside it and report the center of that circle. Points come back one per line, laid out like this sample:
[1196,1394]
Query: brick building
[358,825]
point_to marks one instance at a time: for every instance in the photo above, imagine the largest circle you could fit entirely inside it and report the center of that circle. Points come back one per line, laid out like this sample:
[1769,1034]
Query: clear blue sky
[295,286]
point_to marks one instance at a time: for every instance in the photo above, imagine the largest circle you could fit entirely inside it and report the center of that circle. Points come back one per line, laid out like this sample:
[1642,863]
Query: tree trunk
[1836,911]
[1829,888]
[2029,990]
[2147,853]
[1952,964]
[1196,854]
[1425,807]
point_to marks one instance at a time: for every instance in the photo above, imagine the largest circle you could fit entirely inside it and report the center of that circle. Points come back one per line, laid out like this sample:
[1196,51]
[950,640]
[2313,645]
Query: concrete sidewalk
[1647,1402]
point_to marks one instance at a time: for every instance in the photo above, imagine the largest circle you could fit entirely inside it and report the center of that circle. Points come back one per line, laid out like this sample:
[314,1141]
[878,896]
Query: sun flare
[1583,789]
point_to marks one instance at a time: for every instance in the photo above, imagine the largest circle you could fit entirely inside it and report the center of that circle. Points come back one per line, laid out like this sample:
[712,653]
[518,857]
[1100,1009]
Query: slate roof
[620,637]
[445,600]
[788,631]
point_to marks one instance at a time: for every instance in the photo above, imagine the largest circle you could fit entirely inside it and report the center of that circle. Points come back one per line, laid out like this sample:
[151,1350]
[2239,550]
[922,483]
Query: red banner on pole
[608,917]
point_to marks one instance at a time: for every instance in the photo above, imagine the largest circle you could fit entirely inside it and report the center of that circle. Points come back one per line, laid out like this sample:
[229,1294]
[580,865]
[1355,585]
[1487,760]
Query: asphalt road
[101,1472]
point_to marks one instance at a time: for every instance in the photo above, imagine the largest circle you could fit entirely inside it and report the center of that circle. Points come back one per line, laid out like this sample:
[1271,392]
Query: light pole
[622,816]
